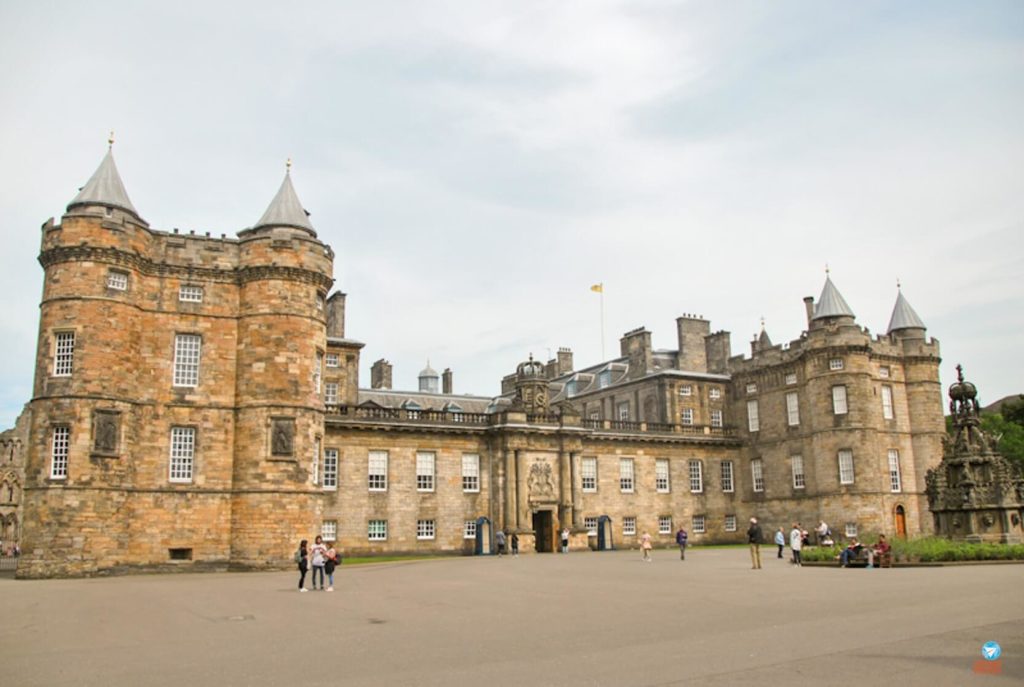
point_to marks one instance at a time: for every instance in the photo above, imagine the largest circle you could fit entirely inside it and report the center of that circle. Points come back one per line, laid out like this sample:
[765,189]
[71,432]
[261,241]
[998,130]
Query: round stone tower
[284,276]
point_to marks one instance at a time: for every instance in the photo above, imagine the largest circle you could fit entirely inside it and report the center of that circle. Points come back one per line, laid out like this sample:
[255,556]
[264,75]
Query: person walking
[515,544]
[645,544]
[754,537]
[499,539]
[302,560]
[565,540]
[330,562]
[317,558]
[780,541]
[681,537]
[796,542]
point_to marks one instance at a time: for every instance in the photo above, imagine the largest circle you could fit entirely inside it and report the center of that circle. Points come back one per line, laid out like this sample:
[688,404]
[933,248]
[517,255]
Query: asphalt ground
[578,619]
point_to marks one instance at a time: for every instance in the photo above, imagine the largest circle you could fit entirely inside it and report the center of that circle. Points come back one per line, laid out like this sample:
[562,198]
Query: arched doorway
[901,522]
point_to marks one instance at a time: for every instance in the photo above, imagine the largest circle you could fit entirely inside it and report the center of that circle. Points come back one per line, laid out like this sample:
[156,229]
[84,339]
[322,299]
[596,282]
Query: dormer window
[604,378]
[570,388]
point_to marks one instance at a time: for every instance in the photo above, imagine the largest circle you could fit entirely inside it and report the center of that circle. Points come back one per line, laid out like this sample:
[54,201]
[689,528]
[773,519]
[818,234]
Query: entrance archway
[901,522]
[544,531]
[604,533]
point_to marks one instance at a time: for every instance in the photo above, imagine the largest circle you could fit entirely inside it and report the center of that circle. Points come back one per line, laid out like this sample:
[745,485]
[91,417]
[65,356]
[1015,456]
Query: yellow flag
[599,288]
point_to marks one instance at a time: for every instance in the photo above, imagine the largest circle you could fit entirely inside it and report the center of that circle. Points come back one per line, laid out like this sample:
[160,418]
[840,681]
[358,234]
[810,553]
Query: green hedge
[930,549]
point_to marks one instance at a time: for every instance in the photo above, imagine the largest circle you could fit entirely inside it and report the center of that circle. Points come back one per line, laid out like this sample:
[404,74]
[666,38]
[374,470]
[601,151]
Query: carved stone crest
[541,482]
[106,432]
[282,437]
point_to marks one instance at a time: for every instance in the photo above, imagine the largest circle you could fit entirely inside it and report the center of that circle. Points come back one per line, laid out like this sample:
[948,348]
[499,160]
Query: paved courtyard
[578,619]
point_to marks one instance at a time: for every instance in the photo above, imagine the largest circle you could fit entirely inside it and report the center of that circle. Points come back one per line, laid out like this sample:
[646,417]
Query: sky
[477,166]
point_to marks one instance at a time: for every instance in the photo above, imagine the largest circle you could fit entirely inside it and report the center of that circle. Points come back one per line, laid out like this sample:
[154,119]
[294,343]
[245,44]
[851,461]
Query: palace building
[197,405]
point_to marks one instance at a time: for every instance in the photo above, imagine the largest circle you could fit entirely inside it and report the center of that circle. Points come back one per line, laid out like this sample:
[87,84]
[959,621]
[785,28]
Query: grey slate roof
[831,303]
[388,398]
[903,316]
[105,188]
[285,210]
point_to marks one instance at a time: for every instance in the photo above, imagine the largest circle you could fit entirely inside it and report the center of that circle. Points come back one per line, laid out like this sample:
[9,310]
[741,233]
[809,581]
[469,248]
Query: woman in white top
[796,542]
[317,559]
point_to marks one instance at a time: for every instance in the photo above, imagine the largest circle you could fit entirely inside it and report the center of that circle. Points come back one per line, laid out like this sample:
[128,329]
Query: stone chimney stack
[809,307]
[636,345]
[446,381]
[718,350]
[380,375]
[336,316]
[564,361]
[692,356]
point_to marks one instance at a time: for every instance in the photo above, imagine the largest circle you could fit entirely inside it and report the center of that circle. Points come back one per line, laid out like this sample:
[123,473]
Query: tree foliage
[1009,434]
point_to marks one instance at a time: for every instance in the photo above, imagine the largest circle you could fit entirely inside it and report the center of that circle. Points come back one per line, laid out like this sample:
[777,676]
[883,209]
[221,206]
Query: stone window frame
[117,280]
[835,364]
[728,472]
[751,388]
[587,474]
[469,529]
[331,390]
[330,481]
[793,409]
[188,357]
[685,390]
[888,411]
[627,476]
[622,411]
[753,416]
[790,378]
[840,402]
[698,524]
[377,530]
[426,529]
[332,360]
[314,468]
[850,529]
[60,450]
[629,526]
[63,353]
[847,474]
[757,474]
[471,473]
[797,468]
[662,481]
[716,418]
[664,524]
[895,474]
[686,416]
[730,523]
[426,471]
[190,293]
[318,370]
[695,470]
[884,372]
[329,530]
[590,523]
[181,466]
[714,393]
[377,471]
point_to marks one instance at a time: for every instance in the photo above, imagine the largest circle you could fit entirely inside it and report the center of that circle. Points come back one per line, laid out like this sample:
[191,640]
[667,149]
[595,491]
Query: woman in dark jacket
[302,558]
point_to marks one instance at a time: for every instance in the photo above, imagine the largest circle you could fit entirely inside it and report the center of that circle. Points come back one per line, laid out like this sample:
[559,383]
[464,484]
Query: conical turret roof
[831,303]
[285,210]
[903,316]
[105,188]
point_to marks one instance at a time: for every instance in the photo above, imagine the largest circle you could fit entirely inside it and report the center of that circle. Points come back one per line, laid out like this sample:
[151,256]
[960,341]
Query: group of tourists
[322,558]
[797,539]
[500,540]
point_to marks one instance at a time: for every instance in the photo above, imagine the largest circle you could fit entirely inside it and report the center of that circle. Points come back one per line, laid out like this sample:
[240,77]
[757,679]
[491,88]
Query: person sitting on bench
[851,551]
[879,550]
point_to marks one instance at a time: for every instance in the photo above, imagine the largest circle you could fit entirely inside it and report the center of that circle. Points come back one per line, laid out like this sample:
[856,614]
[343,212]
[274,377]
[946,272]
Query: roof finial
[288,166]
[898,285]
[762,323]
[110,139]
[826,269]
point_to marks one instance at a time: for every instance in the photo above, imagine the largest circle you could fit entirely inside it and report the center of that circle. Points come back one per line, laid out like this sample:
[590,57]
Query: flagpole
[599,288]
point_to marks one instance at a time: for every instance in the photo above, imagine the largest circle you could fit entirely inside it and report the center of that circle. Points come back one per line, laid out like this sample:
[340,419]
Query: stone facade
[13,443]
[197,406]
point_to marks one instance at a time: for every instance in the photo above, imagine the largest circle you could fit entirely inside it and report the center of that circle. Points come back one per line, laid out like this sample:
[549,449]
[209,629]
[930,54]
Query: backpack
[297,557]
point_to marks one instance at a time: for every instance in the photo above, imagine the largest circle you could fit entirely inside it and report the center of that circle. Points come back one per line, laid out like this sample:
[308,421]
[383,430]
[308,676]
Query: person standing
[796,542]
[302,560]
[780,541]
[515,544]
[754,537]
[565,540]
[330,562]
[499,539]
[681,538]
[645,544]
[317,558]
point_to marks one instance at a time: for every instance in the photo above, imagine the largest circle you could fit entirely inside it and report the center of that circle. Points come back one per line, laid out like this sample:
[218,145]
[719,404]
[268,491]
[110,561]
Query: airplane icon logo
[991,651]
